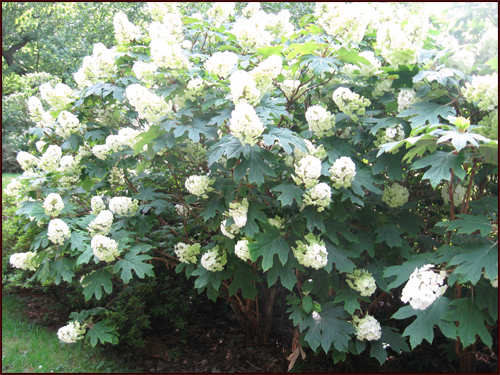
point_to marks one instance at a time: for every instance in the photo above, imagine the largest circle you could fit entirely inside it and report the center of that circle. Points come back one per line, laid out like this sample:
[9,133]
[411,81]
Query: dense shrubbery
[334,163]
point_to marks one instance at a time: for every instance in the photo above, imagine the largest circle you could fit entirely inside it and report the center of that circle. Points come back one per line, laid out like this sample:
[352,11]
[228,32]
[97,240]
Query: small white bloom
[241,250]
[26,160]
[24,261]
[342,172]
[49,162]
[221,63]
[367,328]
[238,211]
[187,253]
[58,231]
[395,195]
[123,206]
[97,205]
[245,124]
[214,260]
[424,287]
[319,195]
[53,204]
[362,281]
[101,224]
[308,171]
[199,185]
[312,255]
[105,249]
[70,333]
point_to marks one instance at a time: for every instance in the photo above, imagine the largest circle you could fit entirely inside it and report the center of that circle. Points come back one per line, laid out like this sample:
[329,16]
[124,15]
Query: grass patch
[7,178]
[30,347]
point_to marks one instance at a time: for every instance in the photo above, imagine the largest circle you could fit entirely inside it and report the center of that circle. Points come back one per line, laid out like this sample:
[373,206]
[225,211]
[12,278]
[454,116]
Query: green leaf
[470,321]
[486,204]
[244,278]
[433,75]
[62,269]
[378,352]
[339,256]
[423,327]
[489,152]
[153,132]
[195,128]
[493,62]
[307,304]
[390,234]
[393,164]
[265,52]
[350,298]
[133,261]
[441,163]
[394,339]
[326,328]
[351,57]
[314,218]
[148,194]
[96,281]
[405,76]
[267,244]
[409,222]
[256,165]
[301,49]
[286,139]
[102,332]
[427,112]
[213,206]
[284,272]
[475,256]
[289,192]
[486,297]
[254,214]
[319,64]
[271,106]
[468,224]
[404,271]
[229,146]
[365,178]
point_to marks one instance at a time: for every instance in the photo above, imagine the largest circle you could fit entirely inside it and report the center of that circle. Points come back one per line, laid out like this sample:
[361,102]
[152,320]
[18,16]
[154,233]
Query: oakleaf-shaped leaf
[390,234]
[102,332]
[289,192]
[244,278]
[427,112]
[286,138]
[468,224]
[97,280]
[267,245]
[423,327]
[470,321]
[328,327]
[134,261]
[441,163]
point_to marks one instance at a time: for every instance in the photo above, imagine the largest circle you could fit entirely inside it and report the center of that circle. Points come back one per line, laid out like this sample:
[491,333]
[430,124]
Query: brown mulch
[216,344]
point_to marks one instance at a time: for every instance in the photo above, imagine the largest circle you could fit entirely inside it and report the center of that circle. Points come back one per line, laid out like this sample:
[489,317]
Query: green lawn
[29,347]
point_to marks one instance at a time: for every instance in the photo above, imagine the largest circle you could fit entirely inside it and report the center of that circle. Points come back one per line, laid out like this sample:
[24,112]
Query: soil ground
[216,344]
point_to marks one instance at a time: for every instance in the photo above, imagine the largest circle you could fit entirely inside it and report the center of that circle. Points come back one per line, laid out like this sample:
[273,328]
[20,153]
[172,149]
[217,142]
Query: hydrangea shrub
[339,163]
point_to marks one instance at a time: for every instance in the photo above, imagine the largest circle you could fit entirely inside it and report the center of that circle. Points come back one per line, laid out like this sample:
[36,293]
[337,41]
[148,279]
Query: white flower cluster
[71,170]
[250,9]
[101,151]
[26,160]
[277,221]
[181,210]
[142,70]
[381,87]
[350,103]
[221,63]
[342,172]
[241,250]
[395,195]
[214,260]
[101,224]
[406,98]
[195,151]
[318,152]
[319,195]
[116,176]
[220,12]
[308,171]
[195,87]
[489,124]
[53,204]
[243,88]
[58,97]
[267,70]
[458,194]
[321,122]
[123,206]
[367,328]
[49,161]
[105,249]
[389,135]
[400,41]
[423,287]
[97,205]
[483,91]
[462,60]
[187,253]
[150,106]
[159,10]
[23,261]
[312,255]
[170,30]
[68,124]
[199,185]
[347,22]
[238,211]
[125,31]
[99,65]
[229,230]
[36,109]
[168,55]
[70,333]
[58,231]
[14,189]
[488,45]
[245,124]
[251,33]
[362,281]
